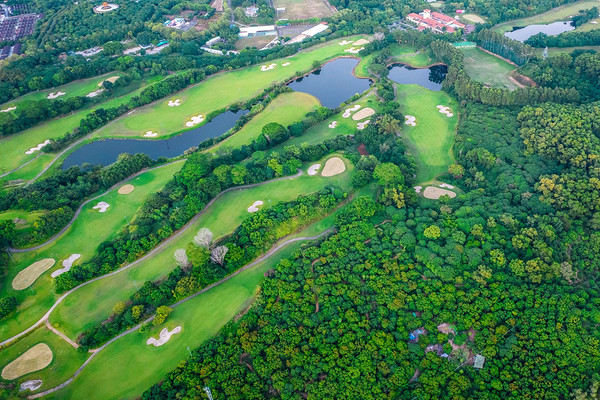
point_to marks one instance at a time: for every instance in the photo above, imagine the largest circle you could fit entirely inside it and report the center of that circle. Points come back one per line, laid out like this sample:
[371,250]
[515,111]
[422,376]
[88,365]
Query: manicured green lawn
[217,92]
[554,51]
[487,69]
[65,362]
[430,142]
[94,303]
[285,109]
[87,232]
[411,55]
[27,216]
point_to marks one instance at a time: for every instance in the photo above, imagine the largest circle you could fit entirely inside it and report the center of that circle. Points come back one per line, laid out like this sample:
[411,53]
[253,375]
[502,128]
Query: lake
[430,78]
[523,33]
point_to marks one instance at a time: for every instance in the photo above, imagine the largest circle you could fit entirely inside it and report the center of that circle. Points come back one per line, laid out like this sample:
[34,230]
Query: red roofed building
[435,21]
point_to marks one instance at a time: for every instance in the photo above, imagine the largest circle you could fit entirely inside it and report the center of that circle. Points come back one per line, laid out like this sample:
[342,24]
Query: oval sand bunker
[126,189]
[432,192]
[164,337]
[26,277]
[254,207]
[36,358]
[333,166]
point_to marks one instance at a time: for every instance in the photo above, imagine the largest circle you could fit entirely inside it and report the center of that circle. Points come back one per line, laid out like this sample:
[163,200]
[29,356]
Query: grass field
[217,92]
[561,13]
[411,56]
[430,142]
[302,9]
[487,69]
[94,302]
[258,41]
[285,109]
[26,217]
[472,18]
[554,51]
[87,232]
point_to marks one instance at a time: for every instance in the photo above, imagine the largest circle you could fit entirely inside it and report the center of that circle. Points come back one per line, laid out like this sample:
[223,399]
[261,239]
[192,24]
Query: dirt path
[94,352]
[139,260]
[62,335]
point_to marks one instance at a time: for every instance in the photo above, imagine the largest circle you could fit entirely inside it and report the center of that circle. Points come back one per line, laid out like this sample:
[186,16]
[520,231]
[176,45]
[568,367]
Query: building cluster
[176,23]
[437,22]
[16,22]
[8,51]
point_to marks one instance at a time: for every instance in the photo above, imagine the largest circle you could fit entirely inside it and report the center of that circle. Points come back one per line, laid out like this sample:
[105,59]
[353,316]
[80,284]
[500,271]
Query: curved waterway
[332,84]
[523,33]
[430,78]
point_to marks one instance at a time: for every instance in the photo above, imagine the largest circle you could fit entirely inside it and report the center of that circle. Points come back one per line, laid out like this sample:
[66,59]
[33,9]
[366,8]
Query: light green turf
[411,55]
[285,109]
[94,303]
[488,69]
[217,92]
[65,361]
[561,13]
[27,216]
[89,230]
[430,142]
[554,51]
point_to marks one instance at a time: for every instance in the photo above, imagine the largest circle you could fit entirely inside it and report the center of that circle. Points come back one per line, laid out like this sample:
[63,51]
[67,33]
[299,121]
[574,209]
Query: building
[253,31]
[437,22]
[14,28]
[479,361]
[315,30]
[251,12]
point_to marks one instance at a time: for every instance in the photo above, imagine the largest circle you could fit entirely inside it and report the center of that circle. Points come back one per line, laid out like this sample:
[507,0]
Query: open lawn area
[258,41]
[430,141]
[23,218]
[554,51]
[411,55]
[471,18]
[302,9]
[285,109]
[488,69]
[217,92]
[89,230]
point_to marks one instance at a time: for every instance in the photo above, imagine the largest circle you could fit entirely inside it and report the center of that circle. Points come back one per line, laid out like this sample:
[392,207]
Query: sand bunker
[9,109]
[164,336]
[26,277]
[285,64]
[333,124]
[268,67]
[345,42]
[364,113]
[126,189]
[36,358]
[38,147]
[432,192]
[418,189]
[175,103]
[254,207]
[410,120]
[312,170]
[101,206]
[55,95]
[350,110]
[195,120]
[31,385]
[150,134]
[333,166]
[67,264]
[362,125]
[361,42]
[354,50]
[112,79]
[445,110]
[94,93]
[445,185]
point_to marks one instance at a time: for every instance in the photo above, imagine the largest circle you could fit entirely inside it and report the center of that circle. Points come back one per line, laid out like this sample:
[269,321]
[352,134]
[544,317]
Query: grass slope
[487,69]
[430,142]
[302,9]
[87,232]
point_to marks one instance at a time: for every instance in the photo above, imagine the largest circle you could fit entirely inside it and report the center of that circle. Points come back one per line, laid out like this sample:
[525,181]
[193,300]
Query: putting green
[430,141]
[488,69]
[87,232]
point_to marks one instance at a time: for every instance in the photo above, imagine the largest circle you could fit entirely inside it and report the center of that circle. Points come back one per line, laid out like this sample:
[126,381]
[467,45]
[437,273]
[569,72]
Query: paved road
[135,328]
[20,166]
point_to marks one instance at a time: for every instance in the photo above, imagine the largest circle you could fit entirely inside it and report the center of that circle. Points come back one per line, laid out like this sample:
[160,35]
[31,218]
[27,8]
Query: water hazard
[430,78]
[523,33]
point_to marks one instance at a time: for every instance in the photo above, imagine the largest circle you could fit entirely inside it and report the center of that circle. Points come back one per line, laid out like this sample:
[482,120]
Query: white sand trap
[312,170]
[126,189]
[94,93]
[350,110]
[364,113]
[333,124]
[55,95]
[195,120]
[354,50]
[150,134]
[333,166]
[410,120]
[445,110]
[285,64]
[361,42]
[36,358]
[418,189]
[26,277]
[67,264]
[9,109]
[254,207]
[101,206]
[432,192]
[345,42]
[175,103]
[362,125]
[31,385]
[38,147]
[268,67]
[112,79]
[449,114]
[164,336]
[445,185]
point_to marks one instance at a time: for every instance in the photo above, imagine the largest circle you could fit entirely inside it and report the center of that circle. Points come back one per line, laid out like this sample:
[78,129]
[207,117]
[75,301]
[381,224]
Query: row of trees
[567,39]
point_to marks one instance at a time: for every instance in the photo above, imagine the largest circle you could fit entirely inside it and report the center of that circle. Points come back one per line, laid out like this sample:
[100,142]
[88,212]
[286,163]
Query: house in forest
[437,22]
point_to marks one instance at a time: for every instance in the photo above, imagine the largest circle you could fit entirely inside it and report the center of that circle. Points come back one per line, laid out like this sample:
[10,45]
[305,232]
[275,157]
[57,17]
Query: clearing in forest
[302,9]
[488,69]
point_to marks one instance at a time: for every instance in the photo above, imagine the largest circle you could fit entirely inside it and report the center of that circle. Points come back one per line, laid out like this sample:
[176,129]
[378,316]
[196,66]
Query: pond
[523,33]
[105,152]
[333,84]
[430,78]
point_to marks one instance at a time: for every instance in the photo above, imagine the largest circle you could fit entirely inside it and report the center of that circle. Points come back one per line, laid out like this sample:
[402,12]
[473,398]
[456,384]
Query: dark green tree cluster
[567,39]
